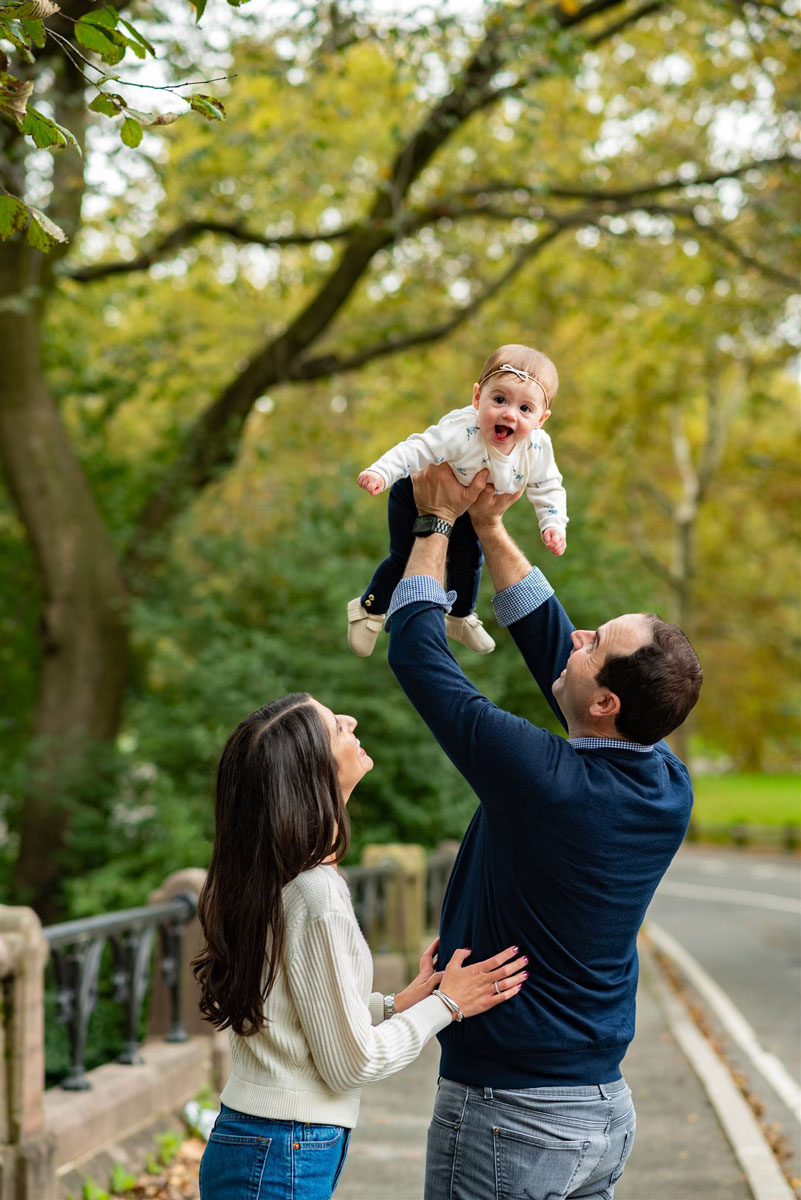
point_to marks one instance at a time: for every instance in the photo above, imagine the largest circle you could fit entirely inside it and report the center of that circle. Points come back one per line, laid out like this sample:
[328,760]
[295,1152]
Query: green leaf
[101,16]
[131,132]
[44,233]
[138,37]
[35,31]
[138,50]
[100,39]
[13,216]
[45,132]
[107,103]
[199,7]
[208,106]
[15,35]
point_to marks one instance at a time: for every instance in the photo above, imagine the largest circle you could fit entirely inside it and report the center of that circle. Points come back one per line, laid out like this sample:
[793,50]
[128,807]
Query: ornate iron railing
[76,949]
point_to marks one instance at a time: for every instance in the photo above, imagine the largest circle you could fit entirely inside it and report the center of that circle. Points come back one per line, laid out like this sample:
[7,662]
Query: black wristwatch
[427,524]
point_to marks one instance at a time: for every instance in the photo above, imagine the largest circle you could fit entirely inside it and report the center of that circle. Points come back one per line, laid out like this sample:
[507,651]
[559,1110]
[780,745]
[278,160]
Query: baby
[500,432]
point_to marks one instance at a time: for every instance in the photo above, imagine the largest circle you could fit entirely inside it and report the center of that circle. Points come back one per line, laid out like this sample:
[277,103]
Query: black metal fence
[76,950]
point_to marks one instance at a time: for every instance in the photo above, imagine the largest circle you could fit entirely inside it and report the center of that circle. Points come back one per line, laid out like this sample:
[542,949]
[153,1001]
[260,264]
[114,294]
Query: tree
[448,190]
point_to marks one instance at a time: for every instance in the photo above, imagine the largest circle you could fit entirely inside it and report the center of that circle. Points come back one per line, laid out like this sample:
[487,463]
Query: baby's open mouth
[502,432]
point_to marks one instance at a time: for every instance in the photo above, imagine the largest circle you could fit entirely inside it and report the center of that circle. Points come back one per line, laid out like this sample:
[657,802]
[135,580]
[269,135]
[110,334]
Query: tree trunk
[83,623]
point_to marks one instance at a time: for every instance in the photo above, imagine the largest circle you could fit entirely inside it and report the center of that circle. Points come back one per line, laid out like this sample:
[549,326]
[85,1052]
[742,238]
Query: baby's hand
[371,482]
[555,541]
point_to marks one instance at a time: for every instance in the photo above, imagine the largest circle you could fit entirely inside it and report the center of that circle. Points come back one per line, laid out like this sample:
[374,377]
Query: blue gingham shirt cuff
[517,601]
[418,587]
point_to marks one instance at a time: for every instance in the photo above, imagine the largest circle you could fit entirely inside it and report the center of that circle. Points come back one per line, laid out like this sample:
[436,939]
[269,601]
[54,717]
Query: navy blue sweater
[562,858]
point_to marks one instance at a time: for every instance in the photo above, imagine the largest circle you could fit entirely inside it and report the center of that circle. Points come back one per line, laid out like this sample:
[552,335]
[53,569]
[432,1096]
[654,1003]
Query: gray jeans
[545,1143]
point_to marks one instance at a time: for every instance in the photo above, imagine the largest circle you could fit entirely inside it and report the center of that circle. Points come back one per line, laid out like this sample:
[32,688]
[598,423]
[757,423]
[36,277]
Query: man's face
[576,688]
[509,410]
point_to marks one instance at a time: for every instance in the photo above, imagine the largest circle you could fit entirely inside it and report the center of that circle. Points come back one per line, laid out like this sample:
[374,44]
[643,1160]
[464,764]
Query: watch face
[425,524]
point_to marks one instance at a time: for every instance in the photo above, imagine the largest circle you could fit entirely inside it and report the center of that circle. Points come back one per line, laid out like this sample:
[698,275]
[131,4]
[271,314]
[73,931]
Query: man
[562,857]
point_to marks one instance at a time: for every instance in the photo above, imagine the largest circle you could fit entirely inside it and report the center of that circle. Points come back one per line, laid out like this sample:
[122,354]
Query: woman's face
[352,761]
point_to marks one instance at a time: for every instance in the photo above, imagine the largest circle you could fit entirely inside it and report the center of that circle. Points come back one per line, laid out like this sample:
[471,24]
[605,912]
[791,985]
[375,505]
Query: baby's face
[509,410]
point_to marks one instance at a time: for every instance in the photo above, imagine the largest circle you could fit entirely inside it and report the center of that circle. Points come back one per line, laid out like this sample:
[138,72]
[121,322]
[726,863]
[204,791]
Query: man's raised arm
[507,563]
[524,600]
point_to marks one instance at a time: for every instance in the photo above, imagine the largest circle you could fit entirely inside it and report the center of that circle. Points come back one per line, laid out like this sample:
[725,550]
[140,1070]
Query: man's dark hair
[657,685]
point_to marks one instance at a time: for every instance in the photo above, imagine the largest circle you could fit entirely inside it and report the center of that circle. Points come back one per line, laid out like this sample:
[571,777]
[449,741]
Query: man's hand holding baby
[371,482]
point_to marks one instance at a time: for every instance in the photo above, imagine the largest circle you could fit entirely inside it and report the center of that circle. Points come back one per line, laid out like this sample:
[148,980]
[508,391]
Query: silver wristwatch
[389,1006]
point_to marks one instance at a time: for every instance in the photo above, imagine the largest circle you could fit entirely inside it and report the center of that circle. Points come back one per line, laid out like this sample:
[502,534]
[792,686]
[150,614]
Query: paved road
[738,913]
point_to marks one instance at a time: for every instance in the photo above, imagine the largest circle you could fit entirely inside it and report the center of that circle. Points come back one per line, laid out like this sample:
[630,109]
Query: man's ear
[476,394]
[605,704]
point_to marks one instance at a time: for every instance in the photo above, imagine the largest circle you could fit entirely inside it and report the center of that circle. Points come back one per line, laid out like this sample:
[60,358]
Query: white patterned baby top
[458,441]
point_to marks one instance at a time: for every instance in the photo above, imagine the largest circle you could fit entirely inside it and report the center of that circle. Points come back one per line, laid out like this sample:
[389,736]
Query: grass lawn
[757,799]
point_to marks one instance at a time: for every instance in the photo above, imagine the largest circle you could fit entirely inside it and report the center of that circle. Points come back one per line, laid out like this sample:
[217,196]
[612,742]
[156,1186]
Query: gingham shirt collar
[601,743]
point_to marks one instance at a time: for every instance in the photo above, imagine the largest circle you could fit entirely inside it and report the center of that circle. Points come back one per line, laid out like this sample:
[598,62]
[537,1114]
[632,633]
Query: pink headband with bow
[522,375]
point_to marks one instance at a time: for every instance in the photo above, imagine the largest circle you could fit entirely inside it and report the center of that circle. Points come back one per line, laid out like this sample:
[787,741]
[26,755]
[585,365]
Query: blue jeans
[253,1158]
[544,1143]
[463,568]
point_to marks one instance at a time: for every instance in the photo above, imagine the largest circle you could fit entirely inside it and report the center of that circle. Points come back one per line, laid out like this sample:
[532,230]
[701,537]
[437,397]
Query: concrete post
[189,881]
[26,1151]
[405,898]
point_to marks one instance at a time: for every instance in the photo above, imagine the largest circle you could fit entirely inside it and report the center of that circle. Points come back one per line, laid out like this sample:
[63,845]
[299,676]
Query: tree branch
[715,234]
[186,233]
[412,221]
[645,10]
[332,364]
[748,260]
[602,195]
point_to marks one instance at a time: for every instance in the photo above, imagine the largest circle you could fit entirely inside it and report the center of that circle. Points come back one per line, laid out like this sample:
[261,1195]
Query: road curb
[772,1070]
[765,1177]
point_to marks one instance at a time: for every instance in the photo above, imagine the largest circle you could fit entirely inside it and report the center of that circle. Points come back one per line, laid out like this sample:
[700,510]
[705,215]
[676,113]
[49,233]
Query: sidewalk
[680,1151]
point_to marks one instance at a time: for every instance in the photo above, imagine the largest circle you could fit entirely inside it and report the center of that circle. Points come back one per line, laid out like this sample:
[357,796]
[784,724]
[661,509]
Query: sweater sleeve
[544,490]
[485,743]
[541,629]
[435,445]
[348,1051]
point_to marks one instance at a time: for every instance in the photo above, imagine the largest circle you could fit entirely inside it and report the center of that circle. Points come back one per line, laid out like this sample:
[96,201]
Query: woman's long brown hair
[279,811]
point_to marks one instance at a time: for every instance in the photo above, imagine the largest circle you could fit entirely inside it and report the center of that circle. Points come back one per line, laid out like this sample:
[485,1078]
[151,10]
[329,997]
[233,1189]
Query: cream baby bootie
[363,628]
[470,632]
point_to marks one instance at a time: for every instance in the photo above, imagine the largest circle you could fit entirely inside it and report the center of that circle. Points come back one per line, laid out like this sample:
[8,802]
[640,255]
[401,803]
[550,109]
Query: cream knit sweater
[320,1044]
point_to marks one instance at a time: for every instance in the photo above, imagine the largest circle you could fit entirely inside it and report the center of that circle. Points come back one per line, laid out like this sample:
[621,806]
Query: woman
[305,1032]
